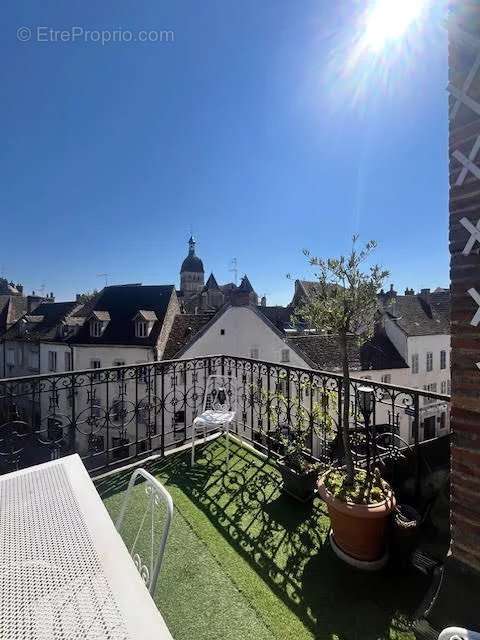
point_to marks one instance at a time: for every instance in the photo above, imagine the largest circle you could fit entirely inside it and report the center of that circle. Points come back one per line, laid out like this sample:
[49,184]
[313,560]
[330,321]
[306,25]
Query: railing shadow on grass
[285,543]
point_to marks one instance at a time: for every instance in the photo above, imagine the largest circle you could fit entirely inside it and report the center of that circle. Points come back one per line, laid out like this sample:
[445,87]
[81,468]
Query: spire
[245,285]
[191,246]
[211,283]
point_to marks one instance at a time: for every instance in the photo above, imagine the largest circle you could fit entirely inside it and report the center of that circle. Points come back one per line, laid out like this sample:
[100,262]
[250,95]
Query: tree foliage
[344,304]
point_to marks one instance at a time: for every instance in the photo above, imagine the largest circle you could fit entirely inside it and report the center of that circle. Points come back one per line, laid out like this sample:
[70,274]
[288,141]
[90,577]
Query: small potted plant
[298,468]
[359,501]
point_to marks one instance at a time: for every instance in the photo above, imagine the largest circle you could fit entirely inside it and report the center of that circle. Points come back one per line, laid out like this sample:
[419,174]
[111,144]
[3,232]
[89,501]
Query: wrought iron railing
[114,415]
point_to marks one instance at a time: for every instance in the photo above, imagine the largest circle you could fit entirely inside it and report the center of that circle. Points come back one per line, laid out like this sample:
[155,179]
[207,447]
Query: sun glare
[388,20]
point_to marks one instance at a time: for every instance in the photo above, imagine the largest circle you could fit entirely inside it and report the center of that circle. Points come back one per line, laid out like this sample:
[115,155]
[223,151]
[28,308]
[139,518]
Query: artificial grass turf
[243,560]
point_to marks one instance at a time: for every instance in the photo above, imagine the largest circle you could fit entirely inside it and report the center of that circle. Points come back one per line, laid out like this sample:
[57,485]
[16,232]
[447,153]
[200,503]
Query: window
[33,360]
[179,417]
[222,332]
[415,363]
[285,355]
[429,428]
[95,364]
[141,329]
[429,361]
[142,373]
[254,353]
[443,359]
[20,355]
[443,420]
[54,430]
[11,357]
[119,363]
[429,387]
[387,378]
[96,328]
[281,387]
[443,387]
[68,361]
[96,407]
[449,387]
[52,360]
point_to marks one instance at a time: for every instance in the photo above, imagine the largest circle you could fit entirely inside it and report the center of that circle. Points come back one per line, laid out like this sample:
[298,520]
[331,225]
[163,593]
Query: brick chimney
[457,599]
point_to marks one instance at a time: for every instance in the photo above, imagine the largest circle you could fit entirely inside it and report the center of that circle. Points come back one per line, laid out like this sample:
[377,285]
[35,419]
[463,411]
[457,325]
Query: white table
[65,572]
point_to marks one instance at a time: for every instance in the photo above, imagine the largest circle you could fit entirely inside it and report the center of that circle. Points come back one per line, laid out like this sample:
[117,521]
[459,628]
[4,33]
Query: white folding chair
[156,494]
[458,633]
[219,409]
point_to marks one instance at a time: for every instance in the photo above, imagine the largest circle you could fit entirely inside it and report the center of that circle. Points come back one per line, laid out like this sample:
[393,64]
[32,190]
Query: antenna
[104,275]
[42,290]
[234,270]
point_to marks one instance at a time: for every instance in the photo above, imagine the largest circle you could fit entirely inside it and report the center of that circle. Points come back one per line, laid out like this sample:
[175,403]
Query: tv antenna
[104,275]
[234,270]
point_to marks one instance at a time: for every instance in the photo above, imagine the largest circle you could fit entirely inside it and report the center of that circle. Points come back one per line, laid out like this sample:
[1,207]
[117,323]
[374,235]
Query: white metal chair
[156,494]
[457,633]
[219,409]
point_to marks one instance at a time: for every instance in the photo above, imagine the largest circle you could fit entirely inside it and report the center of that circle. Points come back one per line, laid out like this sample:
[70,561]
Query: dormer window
[98,323]
[96,328]
[144,321]
[141,329]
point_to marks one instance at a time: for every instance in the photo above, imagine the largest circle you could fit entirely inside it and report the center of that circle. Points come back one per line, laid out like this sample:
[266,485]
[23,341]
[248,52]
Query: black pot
[300,486]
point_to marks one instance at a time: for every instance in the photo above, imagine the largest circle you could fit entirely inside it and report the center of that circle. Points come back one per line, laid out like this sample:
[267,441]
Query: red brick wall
[465,275]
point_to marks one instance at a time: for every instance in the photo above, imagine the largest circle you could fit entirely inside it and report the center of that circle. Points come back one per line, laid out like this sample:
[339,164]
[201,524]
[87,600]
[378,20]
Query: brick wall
[464,53]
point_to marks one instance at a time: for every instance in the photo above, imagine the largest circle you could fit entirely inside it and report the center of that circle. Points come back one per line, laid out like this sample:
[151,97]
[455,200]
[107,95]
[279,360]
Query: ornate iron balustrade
[113,415]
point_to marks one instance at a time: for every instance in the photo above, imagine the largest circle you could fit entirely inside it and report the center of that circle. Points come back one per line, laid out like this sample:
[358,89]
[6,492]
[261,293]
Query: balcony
[243,558]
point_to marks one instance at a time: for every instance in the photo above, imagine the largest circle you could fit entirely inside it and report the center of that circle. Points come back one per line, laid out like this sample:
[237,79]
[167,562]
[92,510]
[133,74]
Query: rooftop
[245,561]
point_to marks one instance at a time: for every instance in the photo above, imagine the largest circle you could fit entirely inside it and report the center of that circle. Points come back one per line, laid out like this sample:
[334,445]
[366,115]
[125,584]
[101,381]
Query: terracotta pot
[358,529]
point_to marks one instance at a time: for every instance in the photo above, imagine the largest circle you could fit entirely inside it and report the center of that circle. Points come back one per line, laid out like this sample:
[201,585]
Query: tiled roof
[122,303]
[279,316]
[185,327]
[12,307]
[377,354]
[420,315]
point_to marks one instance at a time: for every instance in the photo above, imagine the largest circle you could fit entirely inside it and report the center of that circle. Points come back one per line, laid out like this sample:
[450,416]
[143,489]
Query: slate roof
[211,283]
[43,323]
[245,285]
[420,315]
[377,354]
[123,302]
[185,327]
[149,316]
[193,264]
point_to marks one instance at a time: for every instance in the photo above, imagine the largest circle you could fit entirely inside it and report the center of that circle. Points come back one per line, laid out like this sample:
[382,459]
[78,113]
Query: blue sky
[251,128]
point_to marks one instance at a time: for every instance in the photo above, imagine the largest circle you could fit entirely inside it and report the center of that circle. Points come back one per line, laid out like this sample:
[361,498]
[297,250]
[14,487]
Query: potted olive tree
[359,501]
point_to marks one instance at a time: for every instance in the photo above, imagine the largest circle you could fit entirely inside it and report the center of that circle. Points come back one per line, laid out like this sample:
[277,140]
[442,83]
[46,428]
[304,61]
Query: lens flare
[389,20]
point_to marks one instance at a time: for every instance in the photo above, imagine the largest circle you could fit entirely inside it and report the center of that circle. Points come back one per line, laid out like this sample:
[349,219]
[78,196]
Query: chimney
[33,301]
[263,301]
[409,292]
[425,292]
[20,288]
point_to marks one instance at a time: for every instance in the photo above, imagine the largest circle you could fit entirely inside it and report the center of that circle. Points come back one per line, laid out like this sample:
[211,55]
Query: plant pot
[359,530]
[300,486]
